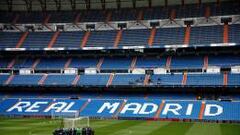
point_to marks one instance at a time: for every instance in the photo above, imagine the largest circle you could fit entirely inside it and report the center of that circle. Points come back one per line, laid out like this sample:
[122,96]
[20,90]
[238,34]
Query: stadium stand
[199,36]
[177,62]
[69,39]
[197,80]
[162,62]
[191,10]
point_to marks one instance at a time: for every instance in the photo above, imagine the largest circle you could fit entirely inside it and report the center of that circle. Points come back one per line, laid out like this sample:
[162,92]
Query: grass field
[119,127]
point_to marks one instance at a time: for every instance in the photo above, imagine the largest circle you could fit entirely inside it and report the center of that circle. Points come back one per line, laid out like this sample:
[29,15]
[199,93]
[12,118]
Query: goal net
[79,122]
[58,115]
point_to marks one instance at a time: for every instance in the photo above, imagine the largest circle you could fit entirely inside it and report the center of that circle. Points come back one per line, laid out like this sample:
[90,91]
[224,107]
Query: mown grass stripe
[204,129]
[230,129]
[26,126]
[173,128]
[109,130]
[142,129]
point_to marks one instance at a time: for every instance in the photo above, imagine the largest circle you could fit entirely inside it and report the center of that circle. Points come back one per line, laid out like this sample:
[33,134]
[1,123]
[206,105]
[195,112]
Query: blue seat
[135,37]
[150,62]
[101,39]
[204,80]
[233,79]
[9,39]
[37,40]
[59,80]
[166,80]
[93,80]
[116,63]
[156,13]
[186,62]
[169,36]
[123,14]
[7,17]
[83,63]
[31,17]
[51,63]
[224,60]
[26,80]
[3,78]
[206,35]
[4,62]
[69,39]
[63,17]
[128,79]
[234,33]
[24,63]
[93,16]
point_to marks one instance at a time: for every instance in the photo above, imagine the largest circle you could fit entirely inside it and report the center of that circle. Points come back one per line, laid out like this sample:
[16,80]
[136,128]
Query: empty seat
[9,39]
[189,10]
[206,35]
[169,36]
[156,13]
[150,62]
[128,79]
[59,80]
[101,39]
[135,37]
[93,80]
[205,79]
[123,14]
[31,17]
[3,78]
[63,17]
[233,79]
[4,62]
[234,33]
[224,60]
[69,39]
[93,16]
[166,79]
[24,62]
[37,40]
[24,80]
[83,63]
[7,17]
[186,62]
[50,63]
[116,63]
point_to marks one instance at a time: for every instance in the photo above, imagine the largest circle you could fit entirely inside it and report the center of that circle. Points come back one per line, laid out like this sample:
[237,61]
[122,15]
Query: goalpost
[55,115]
[79,122]
[71,120]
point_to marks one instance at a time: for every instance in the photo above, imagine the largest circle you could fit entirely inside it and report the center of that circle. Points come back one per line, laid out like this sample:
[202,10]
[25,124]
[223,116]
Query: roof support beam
[118,4]
[88,4]
[134,3]
[103,2]
[166,3]
[28,5]
[199,2]
[43,4]
[73,4]
[183,2]
[149,3]
[9,3]
[58,4]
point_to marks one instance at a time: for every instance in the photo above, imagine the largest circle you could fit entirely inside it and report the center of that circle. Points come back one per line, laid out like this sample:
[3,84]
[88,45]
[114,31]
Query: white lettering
[208,108]
[168,108]
[112,107]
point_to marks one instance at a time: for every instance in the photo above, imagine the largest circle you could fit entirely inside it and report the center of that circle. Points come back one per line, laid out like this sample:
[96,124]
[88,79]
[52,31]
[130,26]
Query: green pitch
[119,127]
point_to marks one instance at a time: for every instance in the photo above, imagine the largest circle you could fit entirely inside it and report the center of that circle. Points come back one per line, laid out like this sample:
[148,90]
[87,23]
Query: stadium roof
[36,5]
